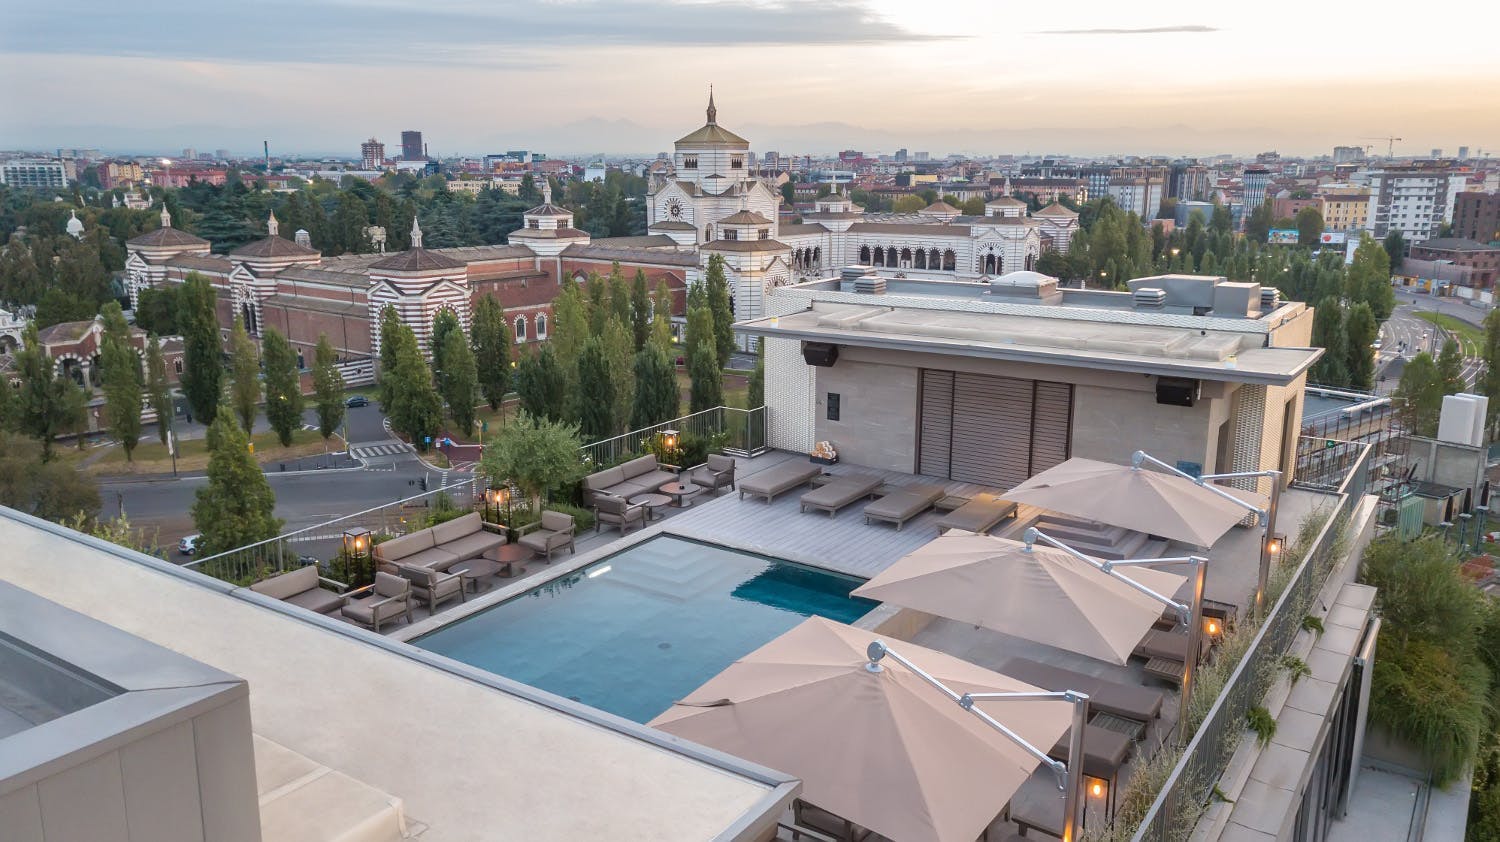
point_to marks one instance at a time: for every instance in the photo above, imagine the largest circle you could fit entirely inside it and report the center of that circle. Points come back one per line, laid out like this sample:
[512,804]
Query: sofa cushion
[287,585]
[434,558]
[399,549]
[454,529]
[604,479]
[473,545]
[317,600]
[640,465]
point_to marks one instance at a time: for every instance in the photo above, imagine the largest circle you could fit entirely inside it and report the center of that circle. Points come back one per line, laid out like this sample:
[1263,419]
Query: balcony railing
[743,432]
[1189,787]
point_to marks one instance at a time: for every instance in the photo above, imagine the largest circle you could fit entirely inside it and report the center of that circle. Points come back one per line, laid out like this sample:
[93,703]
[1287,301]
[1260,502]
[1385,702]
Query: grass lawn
[736,389]
[192,454]
[1471,337]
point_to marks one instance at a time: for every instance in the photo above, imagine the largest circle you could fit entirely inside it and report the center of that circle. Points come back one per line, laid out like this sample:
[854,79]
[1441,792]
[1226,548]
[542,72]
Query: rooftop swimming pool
[634,632]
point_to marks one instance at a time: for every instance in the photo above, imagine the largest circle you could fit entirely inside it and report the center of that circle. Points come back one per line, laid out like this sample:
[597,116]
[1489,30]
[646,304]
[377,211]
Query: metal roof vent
[870,285]
[1270,298]
[1149,298]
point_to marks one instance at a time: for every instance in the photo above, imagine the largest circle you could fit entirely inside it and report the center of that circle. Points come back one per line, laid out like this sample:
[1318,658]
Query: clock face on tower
[674,209]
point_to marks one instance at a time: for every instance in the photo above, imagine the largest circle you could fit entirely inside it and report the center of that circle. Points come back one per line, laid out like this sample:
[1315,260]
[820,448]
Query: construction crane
[1390,143]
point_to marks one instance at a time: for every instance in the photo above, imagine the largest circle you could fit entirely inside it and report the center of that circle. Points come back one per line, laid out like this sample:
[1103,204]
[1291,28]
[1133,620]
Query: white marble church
[710,199]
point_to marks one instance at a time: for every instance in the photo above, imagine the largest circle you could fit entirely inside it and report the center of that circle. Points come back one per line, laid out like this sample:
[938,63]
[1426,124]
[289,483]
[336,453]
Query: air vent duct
[1149,298]
[870,285]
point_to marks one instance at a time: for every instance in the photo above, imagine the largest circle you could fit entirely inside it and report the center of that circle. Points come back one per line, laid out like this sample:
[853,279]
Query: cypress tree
[1359,334]
[283,386]
[158,390]
[661,318]
[723,312]
[460,384]
[489,336]
[1450,366]
[541,385]
[444,323]
[328,389]
[596,412]
[244,372]
[708,385]
[1328,333]
[390,330]
[203,350]
[46,403]
[416,408]
[656,394]
[236,507]
[640,310]
[616,344]
[121,380]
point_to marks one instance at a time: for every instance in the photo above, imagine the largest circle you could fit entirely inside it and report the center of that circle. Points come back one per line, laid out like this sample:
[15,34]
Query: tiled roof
[546,233]
[353,280]
[274,247]
[1453,244]
[416,260]
[794,230]
[1005,201]
[931,230]
[548,209]
[475,254]
[166,238]
[745,245]
[659,257]
[745,217]
[713,133]
[672,225]
[315,304]
[200,262]
[940,207]
[64,331]
[650,241]
[1055,209]
[834,215]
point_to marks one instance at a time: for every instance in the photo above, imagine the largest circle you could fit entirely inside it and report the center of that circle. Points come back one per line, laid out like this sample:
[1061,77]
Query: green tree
[390,331]
[700,331]
[1259,222]
[460,384]
[661,318]
[707,380]
[719,306]
[328,389]
[570,326]
[1331,369]
[416,409]
[121,380]
[1369,278]
[657,397]
[1489,379]
[1359,333]
[640,309]
[1394,246]
[541,386]
[244,375]
[156,310]
[1222,221]
[283,385]
[490,340]
[158,388]
[598,304]
[45,405]
[20,278]
[444,323]
[789,193]
[203,350]
[535,453]
[235,508]
[1418,398]
[619,295]
[52,490]
[1450,366]
[757,385]
[596,411]
[1309,226]
[1054,264]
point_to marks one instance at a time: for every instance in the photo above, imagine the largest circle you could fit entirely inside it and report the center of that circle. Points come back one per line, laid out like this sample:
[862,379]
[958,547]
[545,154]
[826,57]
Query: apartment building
[1476,216]
[1345,210]
[1415,200]
[34,173]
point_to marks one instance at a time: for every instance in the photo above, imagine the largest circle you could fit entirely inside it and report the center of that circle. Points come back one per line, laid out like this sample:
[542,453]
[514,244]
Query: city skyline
[946,77]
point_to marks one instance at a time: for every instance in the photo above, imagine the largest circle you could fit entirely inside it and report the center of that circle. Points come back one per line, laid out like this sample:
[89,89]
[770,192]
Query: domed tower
[711,180]
[256,265]
[418,283]
[147,255]
[547,229]
[1059,223]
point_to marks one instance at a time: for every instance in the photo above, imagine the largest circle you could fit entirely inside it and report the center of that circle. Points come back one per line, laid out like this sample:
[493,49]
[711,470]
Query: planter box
[823,460]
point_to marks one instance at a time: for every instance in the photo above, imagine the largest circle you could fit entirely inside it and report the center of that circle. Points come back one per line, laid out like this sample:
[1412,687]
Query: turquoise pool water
[640,629]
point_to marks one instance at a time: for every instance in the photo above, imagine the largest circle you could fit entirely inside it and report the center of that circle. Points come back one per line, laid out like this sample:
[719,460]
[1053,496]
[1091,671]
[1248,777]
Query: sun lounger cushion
[1171,645]
[900,506]
[839,493]
[778,479]
[1104,751]
[979,514]
[1142,704]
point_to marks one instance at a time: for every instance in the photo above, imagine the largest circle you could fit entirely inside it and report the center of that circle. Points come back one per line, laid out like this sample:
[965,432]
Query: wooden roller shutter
[935,434]
[991,430]
[1052,425]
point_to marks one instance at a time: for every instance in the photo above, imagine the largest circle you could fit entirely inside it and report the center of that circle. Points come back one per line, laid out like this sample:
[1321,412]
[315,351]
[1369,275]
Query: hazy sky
[630,76]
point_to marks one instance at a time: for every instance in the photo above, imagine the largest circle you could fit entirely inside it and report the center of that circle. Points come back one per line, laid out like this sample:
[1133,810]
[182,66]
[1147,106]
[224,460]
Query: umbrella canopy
[1136,498]
[882,748]
[1042,594]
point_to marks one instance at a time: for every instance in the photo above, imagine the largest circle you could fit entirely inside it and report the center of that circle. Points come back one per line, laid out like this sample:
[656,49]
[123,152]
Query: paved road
[1404,335]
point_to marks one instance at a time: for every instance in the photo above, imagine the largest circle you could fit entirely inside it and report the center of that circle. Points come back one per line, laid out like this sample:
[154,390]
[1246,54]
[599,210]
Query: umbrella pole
[1195,646]
[1073,799]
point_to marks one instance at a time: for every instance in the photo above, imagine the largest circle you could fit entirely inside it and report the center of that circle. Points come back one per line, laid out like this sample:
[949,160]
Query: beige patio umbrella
[879,747]
[1137,498]
[1041,594]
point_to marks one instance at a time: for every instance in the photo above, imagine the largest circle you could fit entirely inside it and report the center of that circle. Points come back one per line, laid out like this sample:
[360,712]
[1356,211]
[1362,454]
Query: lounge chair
[840,493]
[716,473]
[1169,645]
[979,515]
[1141,704]
[778,479]
[390,597]
[1104,751]
[617,512]
[898,507]
[432,587]
[554,532]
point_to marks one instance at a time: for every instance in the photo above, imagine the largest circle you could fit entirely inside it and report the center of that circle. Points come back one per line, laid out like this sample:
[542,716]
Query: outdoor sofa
[1140,704]
[638,476]
[979,515]
[440,547]
[715,474]
[301,587]
[778,479]
[902,505]
[840,492]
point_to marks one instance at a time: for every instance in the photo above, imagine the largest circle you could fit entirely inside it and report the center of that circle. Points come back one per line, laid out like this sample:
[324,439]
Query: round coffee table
[475,569]
[678,491]
[652,502]
[509,557]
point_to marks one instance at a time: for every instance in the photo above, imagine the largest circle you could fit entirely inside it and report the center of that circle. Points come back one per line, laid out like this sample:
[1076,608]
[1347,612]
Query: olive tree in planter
[536,454]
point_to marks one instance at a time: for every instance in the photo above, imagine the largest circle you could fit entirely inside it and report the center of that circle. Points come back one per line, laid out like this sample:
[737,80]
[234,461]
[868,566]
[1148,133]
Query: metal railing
[320,543]
[744,431]
[1189,787]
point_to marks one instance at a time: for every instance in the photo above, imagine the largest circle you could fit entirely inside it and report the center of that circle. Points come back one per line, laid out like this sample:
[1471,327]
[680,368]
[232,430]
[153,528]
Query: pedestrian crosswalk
[380,448]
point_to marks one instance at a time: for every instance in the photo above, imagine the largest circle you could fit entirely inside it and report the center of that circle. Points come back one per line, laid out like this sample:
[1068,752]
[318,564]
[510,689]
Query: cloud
[1145,30]
[443,32]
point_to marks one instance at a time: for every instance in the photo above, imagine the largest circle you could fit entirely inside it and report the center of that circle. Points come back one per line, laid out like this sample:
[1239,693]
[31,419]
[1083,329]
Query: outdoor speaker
[1176,391]
[823,354]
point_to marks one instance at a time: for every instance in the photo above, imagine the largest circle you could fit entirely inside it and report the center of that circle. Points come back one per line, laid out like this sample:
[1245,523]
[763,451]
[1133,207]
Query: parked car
[189,544]
[357,400]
